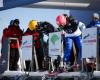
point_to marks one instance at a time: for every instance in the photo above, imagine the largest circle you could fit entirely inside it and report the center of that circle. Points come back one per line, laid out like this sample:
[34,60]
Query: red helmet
[61,20]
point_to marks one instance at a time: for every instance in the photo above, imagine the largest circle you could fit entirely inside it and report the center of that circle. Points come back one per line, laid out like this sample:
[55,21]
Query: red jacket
[36,37]
[13,32]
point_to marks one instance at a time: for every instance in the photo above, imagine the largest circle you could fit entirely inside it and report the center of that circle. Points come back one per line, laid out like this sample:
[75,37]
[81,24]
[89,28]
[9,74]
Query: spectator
[90,62]
[95,21]
[13,31]
[32,30]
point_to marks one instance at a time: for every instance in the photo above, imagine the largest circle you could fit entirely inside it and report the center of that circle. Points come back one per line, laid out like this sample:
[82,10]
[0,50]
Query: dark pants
[40,56]
[13,59]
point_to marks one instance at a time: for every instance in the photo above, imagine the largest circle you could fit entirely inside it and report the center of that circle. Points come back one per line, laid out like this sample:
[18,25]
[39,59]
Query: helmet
[96,15]
[16,21]
[33,25]
[48,27]
[61,20]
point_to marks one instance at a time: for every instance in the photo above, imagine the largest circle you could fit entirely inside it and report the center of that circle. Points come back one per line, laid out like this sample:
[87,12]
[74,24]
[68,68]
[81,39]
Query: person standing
[95,21]
[13,31]
[37,36]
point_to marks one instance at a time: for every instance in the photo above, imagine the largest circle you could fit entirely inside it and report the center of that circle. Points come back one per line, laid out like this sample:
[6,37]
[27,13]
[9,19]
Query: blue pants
[68,48]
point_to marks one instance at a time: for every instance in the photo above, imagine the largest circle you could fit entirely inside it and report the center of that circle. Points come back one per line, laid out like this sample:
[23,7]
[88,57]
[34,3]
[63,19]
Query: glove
[45,38]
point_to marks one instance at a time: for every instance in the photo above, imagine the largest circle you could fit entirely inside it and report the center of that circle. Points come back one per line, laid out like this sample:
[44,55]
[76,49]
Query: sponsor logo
[86,36]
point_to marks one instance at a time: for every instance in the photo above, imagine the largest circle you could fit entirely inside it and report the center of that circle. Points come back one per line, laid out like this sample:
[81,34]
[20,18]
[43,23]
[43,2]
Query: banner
[27,47]
[1,3]
[89,42]
[55,44]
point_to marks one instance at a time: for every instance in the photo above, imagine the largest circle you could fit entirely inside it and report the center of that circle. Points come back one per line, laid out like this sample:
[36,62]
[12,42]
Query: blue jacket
[94,24]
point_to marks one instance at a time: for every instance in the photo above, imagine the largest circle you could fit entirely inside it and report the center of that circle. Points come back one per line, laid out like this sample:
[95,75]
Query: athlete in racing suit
[72,32]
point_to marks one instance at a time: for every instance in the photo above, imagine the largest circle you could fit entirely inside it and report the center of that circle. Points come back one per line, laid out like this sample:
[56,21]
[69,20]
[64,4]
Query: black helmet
[46,27]
[16,21]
